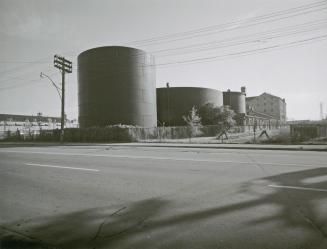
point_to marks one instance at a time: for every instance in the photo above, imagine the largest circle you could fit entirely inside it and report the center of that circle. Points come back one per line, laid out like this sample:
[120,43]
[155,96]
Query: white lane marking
[156,158]
[60,167]
[298,188]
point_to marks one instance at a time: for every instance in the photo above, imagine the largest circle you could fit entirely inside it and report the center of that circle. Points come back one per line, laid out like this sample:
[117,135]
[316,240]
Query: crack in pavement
[313,224]
[104,222]
[125,230]
[25,236]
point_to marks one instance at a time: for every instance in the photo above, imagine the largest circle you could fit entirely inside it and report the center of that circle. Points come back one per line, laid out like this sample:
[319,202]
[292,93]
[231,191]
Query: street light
[42,75]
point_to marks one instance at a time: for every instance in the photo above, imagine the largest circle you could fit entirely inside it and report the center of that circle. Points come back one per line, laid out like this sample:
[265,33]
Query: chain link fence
[124,133]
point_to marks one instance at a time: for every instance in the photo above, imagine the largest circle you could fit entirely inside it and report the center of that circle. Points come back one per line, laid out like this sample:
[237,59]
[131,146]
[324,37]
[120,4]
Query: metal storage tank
[174,102]
[235,100]
[116,85]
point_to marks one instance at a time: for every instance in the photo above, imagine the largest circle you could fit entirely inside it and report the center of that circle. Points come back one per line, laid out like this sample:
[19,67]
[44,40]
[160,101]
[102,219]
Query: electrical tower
[321,112]
[65,66]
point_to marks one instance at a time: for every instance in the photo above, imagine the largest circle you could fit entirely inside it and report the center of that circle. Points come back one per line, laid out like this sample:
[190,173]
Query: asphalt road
[134,197]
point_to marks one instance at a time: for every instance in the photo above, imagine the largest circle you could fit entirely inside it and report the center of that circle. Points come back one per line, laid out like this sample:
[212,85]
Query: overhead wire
[253,41]
[231,25]
[305,27]
[208,28]
[25,84]
[27,64]
[225,56]
[300,10]
[299,42]
[216,32]
[213,58]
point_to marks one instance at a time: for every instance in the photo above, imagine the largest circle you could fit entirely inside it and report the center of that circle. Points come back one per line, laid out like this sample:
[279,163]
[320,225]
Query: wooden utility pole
[168,104]
[65,66]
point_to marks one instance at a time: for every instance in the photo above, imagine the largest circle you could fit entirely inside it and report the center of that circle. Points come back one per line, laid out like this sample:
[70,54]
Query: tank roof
[188,87]
[234,92]
[113,47]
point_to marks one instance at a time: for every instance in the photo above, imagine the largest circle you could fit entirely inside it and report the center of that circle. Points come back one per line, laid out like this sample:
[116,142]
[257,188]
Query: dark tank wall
[174,102]
[236,101]
[116,85]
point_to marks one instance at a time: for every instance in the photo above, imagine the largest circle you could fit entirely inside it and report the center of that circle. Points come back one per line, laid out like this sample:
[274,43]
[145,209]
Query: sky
[279,47]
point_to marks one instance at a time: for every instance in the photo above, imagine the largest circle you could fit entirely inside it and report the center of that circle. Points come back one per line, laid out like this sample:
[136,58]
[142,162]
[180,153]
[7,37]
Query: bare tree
[193,121]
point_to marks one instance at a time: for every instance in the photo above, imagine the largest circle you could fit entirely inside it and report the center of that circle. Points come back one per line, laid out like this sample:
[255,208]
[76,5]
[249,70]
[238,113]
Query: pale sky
[274,46]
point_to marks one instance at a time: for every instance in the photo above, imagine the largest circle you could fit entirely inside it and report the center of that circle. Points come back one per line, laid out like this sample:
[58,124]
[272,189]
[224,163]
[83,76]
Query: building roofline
[264,93]
[271,95]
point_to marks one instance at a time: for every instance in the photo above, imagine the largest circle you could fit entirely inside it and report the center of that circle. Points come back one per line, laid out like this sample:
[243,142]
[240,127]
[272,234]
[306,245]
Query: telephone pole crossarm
[62,64]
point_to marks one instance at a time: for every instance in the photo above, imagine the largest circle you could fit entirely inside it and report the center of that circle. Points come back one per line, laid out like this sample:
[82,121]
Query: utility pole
[168,104]
[65,66]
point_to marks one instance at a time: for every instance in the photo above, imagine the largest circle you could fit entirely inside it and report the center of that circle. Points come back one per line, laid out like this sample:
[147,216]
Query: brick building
[268,104]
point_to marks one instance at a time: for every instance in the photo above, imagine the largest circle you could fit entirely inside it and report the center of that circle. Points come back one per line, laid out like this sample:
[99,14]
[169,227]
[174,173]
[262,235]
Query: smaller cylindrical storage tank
[116,85]
[175,102]
[235,100]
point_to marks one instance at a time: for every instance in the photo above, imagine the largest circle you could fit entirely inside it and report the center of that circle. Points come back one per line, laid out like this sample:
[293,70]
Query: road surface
[144,197]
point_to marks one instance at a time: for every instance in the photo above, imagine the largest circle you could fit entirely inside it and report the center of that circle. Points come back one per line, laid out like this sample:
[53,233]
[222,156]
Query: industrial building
[175,102]
[116,85]
[267,104]
[235,100]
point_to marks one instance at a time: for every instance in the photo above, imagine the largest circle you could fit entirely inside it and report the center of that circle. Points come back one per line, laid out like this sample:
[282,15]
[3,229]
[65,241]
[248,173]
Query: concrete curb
[319,148]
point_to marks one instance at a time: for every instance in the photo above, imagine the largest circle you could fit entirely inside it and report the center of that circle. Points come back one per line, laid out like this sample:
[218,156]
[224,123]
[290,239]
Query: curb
[323,148]
[202,146]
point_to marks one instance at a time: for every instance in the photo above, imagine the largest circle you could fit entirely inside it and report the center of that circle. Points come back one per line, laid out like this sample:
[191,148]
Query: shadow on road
[145,224]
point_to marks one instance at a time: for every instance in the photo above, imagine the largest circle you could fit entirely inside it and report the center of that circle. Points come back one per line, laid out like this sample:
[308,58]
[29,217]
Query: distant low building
[311,130]
[267,104]
[304,121]
[31,124]
[29,118]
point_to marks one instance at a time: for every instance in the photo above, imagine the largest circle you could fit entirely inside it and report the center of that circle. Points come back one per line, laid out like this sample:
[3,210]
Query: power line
[217,57]
[226,42]
[18,78]
[201,30]
[24,62]
[27,83]
[234,41]
[303,26]
[28,64]
[232,25]
[216,32]
[232,54]
[263,37]
[249,52]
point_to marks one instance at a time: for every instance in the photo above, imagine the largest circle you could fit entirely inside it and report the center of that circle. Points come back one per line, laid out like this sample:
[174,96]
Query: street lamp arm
[42,75]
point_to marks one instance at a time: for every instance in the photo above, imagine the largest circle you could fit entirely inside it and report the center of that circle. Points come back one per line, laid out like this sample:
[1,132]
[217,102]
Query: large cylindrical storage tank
[116,85]
[236,101]
[175,102]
